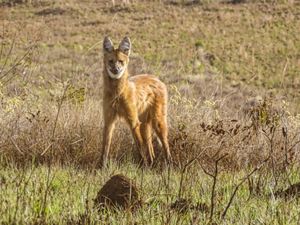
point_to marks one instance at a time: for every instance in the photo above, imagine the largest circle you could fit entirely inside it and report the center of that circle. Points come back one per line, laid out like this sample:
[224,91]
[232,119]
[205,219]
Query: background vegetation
[232,70]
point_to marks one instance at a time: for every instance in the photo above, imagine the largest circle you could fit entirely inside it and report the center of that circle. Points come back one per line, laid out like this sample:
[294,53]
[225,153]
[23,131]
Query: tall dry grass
[64,125]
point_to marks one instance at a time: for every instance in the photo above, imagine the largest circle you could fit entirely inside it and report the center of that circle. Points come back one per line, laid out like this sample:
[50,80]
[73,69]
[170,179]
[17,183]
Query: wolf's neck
[115,87]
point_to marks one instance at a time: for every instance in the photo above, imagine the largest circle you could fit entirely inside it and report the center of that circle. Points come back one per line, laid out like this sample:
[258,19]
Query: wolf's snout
[115,70]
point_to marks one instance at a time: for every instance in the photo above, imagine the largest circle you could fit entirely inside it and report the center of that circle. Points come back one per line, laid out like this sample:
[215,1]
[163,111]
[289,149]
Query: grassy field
[70,193]
[233,75]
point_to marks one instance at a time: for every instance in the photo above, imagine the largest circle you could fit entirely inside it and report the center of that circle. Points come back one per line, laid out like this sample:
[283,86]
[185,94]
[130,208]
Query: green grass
[63,194]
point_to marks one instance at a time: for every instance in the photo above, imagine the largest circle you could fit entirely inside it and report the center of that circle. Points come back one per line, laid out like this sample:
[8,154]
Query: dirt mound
[51,11]
[183,205]
[118,192]
[292,192]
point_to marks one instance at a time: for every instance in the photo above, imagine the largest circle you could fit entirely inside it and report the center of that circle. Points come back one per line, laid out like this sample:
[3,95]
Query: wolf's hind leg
[146,131]
[161,129]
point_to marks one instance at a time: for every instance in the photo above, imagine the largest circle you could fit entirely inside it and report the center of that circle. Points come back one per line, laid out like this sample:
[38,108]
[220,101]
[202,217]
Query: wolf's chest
[121,106]
[117,104]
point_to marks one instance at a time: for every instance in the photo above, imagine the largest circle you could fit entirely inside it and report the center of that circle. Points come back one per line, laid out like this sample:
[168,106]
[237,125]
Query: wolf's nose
[118,69]
[115,70]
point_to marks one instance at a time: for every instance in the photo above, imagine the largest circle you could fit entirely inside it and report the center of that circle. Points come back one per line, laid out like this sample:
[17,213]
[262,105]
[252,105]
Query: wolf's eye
[121,61]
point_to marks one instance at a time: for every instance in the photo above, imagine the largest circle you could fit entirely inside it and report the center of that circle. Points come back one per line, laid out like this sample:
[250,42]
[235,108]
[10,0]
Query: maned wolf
[140,100]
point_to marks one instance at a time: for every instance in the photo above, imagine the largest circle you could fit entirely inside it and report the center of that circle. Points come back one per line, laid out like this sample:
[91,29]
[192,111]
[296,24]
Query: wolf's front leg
[109,125]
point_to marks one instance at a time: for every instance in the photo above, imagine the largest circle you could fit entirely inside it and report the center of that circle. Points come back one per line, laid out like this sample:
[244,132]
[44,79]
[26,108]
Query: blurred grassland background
[233,73]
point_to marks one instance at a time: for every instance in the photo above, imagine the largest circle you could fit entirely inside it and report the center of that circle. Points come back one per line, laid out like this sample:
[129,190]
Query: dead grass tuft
[291,192]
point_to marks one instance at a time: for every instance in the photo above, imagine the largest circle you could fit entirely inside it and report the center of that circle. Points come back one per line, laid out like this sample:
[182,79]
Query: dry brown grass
[68,130]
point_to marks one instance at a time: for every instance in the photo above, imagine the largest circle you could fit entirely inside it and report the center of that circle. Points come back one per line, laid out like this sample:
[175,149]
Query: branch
[189,163]
[56,118]
[240,183]
[215,179]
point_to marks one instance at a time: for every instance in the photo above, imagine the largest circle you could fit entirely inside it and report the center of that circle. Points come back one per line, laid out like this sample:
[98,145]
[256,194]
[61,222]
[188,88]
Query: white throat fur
[115,76]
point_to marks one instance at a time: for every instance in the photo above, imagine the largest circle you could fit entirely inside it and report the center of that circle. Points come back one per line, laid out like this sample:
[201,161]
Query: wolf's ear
[108,46]
[125,46]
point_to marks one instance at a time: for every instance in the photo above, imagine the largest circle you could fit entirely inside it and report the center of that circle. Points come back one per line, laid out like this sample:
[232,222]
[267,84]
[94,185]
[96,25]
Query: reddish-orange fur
[140,100]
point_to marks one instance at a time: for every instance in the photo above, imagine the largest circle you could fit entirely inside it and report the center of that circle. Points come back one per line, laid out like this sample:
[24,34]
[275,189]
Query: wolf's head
[116,60]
